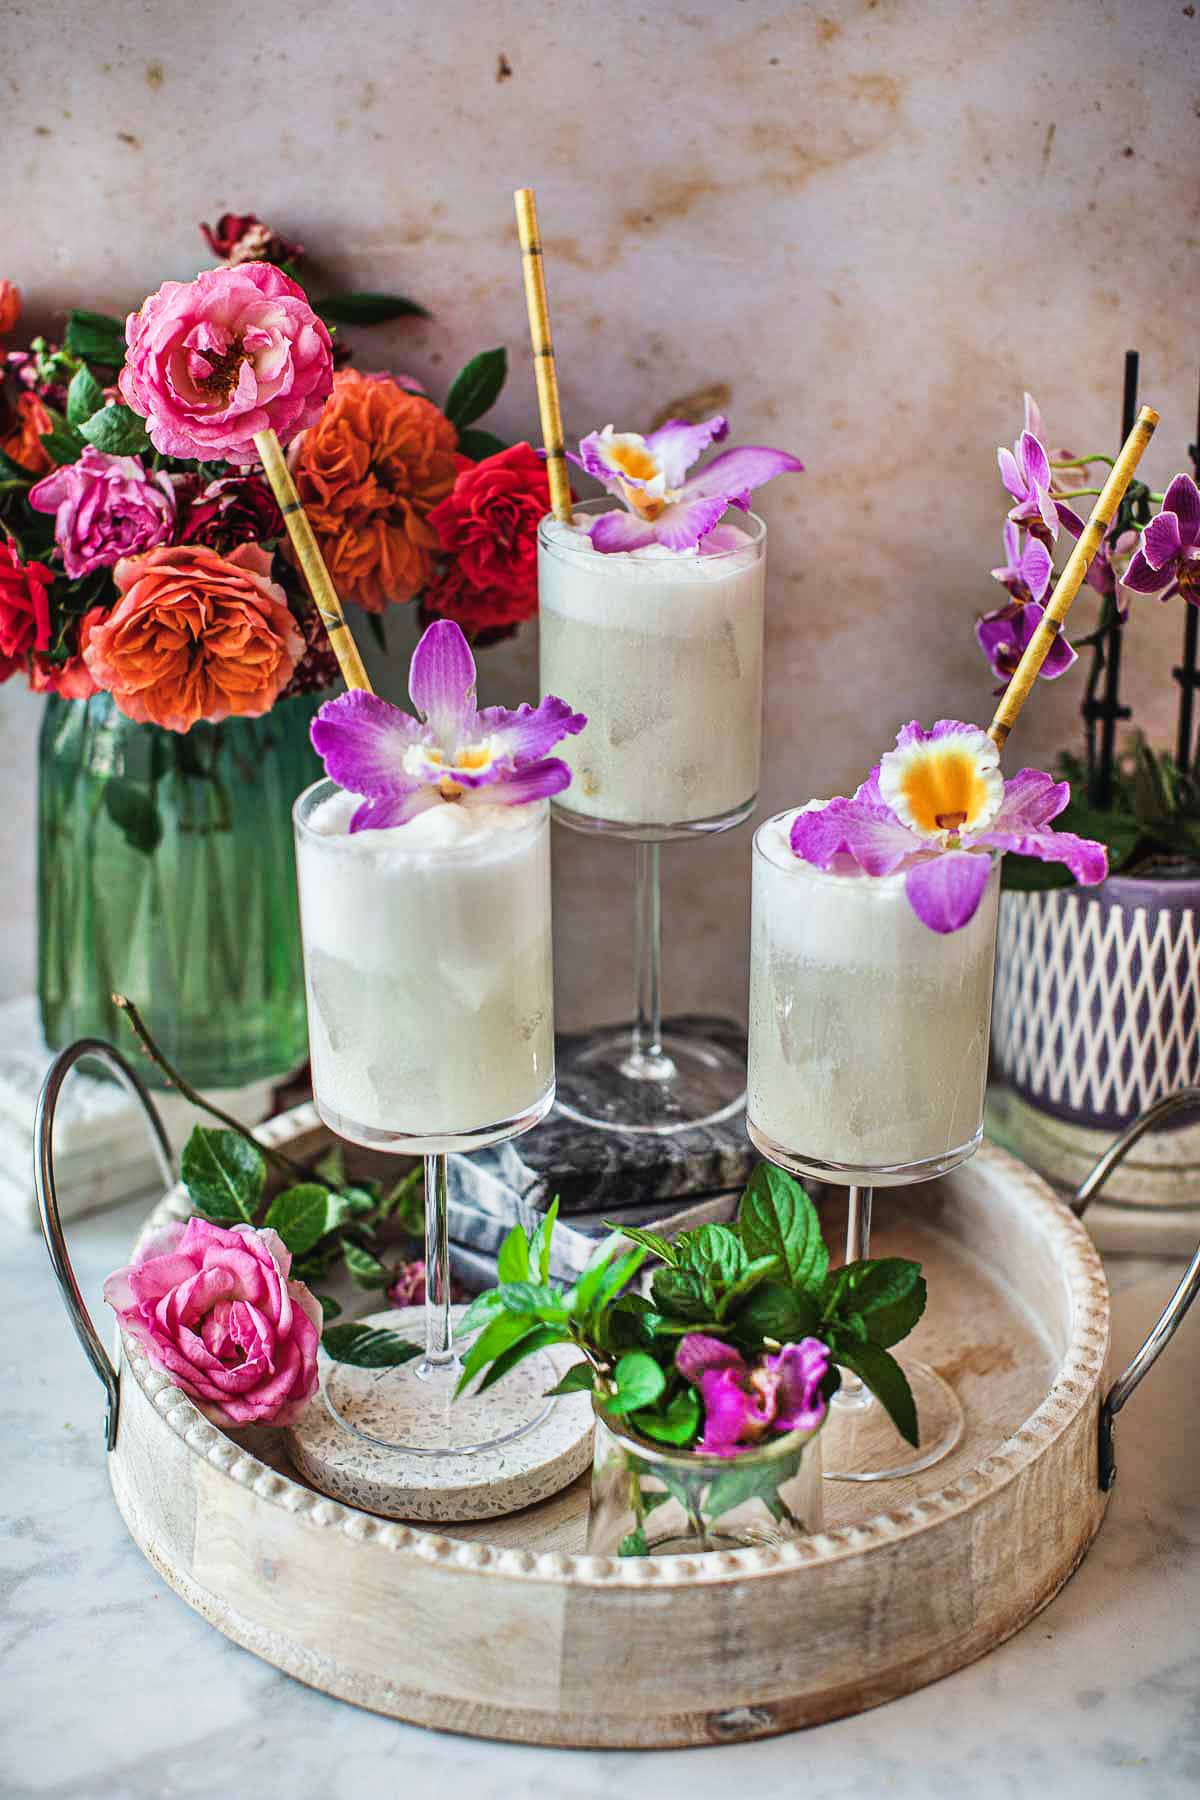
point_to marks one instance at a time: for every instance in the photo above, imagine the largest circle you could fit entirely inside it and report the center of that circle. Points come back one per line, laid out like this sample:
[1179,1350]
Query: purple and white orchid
[1168,555]
[666,505]
[1004,633]
[742,1403]
[933,808]
[1025,472]
[451,752]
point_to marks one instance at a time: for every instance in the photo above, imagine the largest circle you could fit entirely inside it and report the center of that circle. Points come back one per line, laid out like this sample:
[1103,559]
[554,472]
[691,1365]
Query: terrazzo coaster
[524,1467]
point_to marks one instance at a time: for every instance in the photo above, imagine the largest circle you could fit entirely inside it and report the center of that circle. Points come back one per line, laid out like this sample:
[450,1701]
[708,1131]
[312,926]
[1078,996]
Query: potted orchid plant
[1097,994]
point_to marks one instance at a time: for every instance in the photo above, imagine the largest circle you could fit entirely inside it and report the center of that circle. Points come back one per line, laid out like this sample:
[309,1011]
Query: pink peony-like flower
[408,1289]
[105,507]
[214,1308]
[210,362]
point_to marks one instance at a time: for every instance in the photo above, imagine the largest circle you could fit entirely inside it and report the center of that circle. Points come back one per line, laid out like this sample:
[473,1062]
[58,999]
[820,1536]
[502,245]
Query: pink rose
[210,362]
[215,1310]
[106,507]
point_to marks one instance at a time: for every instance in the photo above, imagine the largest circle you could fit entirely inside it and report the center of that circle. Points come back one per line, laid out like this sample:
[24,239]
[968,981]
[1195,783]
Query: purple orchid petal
[1183,499]
[676,445]
[720,539]
[1003,636]
[1010,474]
[1033,461]
[396,808]
[1012,544]
[537,782]
[531,731]
[612,532]
[683,525]
[363,742]
[1033,417]
[730,1412]
[1035,566]
[871,834]
[592,460]
[945,891]
[1086,859]
[1031,799]
[1048,511]
[734,473]
[1143,578]
[698,1352]
[1161,540]
[801,1368]
[441,683]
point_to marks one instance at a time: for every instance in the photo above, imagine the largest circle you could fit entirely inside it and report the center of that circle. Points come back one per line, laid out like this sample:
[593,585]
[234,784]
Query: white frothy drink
[663,651]
[868,1031]
[427,962]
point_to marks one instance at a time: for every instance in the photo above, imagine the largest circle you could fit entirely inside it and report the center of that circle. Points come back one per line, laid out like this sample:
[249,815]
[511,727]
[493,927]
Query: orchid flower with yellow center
[666,505]
[936,808]
[451,751]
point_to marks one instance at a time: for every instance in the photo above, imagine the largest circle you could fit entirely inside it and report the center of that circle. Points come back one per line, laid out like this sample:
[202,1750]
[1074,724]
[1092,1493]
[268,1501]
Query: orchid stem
[276,1157]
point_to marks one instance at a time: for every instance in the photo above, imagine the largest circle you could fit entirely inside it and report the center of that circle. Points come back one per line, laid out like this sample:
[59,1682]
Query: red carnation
[488,525]
[24,609]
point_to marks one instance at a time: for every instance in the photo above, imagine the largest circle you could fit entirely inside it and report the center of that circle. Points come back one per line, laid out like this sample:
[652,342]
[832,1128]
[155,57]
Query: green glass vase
[166,873]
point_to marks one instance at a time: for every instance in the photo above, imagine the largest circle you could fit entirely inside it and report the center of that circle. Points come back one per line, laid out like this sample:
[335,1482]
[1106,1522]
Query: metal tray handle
[1172,1315]
[47,1199]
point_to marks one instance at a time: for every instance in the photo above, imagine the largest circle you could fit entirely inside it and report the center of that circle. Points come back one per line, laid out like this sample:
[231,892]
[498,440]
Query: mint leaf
[751,1276]
[479,444]
[96,337]
[649,1240]
[588,1285]
[775,1310]
[715,1253]
[367,309]
[85,396]
[777,1218]
[482,1310]
[680,1292]
[116,429]
[736,1486]
[580,1378]
[512,1264]
[476,388]
[223,1174]
[538,1339]
[887,1295]
[539,1244]
[640,1380]
[368,1346]
[678,1423]
[134,813]
[634,1544]
[366,1271]
[536,1298]
[493,1341]
[303,1214]
[887,1381]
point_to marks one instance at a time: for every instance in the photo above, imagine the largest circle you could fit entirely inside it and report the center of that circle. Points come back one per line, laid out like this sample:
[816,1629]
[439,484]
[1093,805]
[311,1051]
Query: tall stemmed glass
[868,1064]
[663,652]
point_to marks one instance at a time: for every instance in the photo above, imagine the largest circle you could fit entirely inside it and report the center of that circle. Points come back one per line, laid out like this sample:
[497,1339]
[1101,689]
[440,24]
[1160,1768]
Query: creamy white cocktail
[868,1030]
[662,649]
[427,961]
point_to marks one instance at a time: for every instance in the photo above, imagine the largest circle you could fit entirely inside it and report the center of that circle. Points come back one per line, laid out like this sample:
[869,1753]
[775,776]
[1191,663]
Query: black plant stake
[1109,709]
[1186,675]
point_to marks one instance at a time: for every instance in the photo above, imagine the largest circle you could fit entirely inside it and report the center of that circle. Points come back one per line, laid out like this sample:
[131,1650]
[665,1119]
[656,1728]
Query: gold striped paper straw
[312,563]
[545,372]
[1071,579]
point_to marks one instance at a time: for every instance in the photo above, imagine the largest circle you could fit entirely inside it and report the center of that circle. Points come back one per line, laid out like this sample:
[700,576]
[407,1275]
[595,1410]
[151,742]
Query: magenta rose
[214,1308]
[210,362]
[105,507]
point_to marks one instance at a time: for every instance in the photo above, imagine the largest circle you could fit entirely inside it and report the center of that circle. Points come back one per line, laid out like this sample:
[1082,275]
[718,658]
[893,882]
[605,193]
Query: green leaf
[775,1310]
[738,1485]
[304,1213]
[331,1167]
[85,396]
[537,1298]
[476,388]
[330,1308]
[588,1285]
[512,1264]
[492,1342]
[116,429]
[479,444]
[539,1339]
[96,337]
[649,1240]
[368,1346]
[777,1218]
[634,1544]
[716,1254]
[367,309]
[640,1380]
[366,1271]
[539,1243]
[357,1202]
[580,1378]
[888,1295]
[406,1202]
[482,1310]
[678,1423]
[62,443]
[751,1276]
[12,474]
[223,1174]
[680,1292]
[134,812]
[887,1381]
[618,1276]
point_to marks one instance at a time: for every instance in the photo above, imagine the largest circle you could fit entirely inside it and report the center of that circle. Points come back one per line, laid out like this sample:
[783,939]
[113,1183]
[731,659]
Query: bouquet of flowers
[142,552]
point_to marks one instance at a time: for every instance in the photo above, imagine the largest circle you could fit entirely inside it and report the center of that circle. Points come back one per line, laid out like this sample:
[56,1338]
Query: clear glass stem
[647,1060]
[853,1391]
[439,1330]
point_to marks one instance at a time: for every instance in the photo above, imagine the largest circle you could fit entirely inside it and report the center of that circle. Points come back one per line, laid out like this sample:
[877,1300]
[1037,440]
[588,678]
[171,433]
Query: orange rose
[24,442]
[195,636]
[370,471]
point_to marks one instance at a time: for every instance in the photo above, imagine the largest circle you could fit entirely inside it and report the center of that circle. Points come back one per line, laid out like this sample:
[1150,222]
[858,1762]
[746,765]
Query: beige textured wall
[874,222]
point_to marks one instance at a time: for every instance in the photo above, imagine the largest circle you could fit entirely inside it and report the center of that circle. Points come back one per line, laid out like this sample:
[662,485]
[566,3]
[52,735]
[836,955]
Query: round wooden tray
[507,1629]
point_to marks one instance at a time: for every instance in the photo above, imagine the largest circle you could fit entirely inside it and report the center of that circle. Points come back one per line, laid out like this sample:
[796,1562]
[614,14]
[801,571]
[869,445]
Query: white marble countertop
[112,1689]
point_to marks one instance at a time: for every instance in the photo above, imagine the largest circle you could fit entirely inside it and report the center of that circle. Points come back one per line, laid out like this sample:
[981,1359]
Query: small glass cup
[868,1066]
[664,655]
[431,1030]
[650,1500]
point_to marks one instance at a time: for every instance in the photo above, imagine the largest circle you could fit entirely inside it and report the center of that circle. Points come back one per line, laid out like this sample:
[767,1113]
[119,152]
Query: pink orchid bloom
[743,1403]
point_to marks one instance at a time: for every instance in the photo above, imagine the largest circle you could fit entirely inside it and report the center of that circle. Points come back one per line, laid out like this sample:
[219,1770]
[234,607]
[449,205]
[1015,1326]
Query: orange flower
[195,636]
[370,471]
[10,306]
[24,443]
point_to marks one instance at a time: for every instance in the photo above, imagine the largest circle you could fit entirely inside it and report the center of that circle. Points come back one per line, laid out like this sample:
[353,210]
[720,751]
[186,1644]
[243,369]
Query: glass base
[400,1143]
[412,1409]
[603,1082]
[652,832]
[853,1175]
[861,1443]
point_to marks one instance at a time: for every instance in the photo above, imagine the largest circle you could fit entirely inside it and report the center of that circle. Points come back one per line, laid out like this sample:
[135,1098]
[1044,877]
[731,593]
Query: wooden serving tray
[507,1629]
